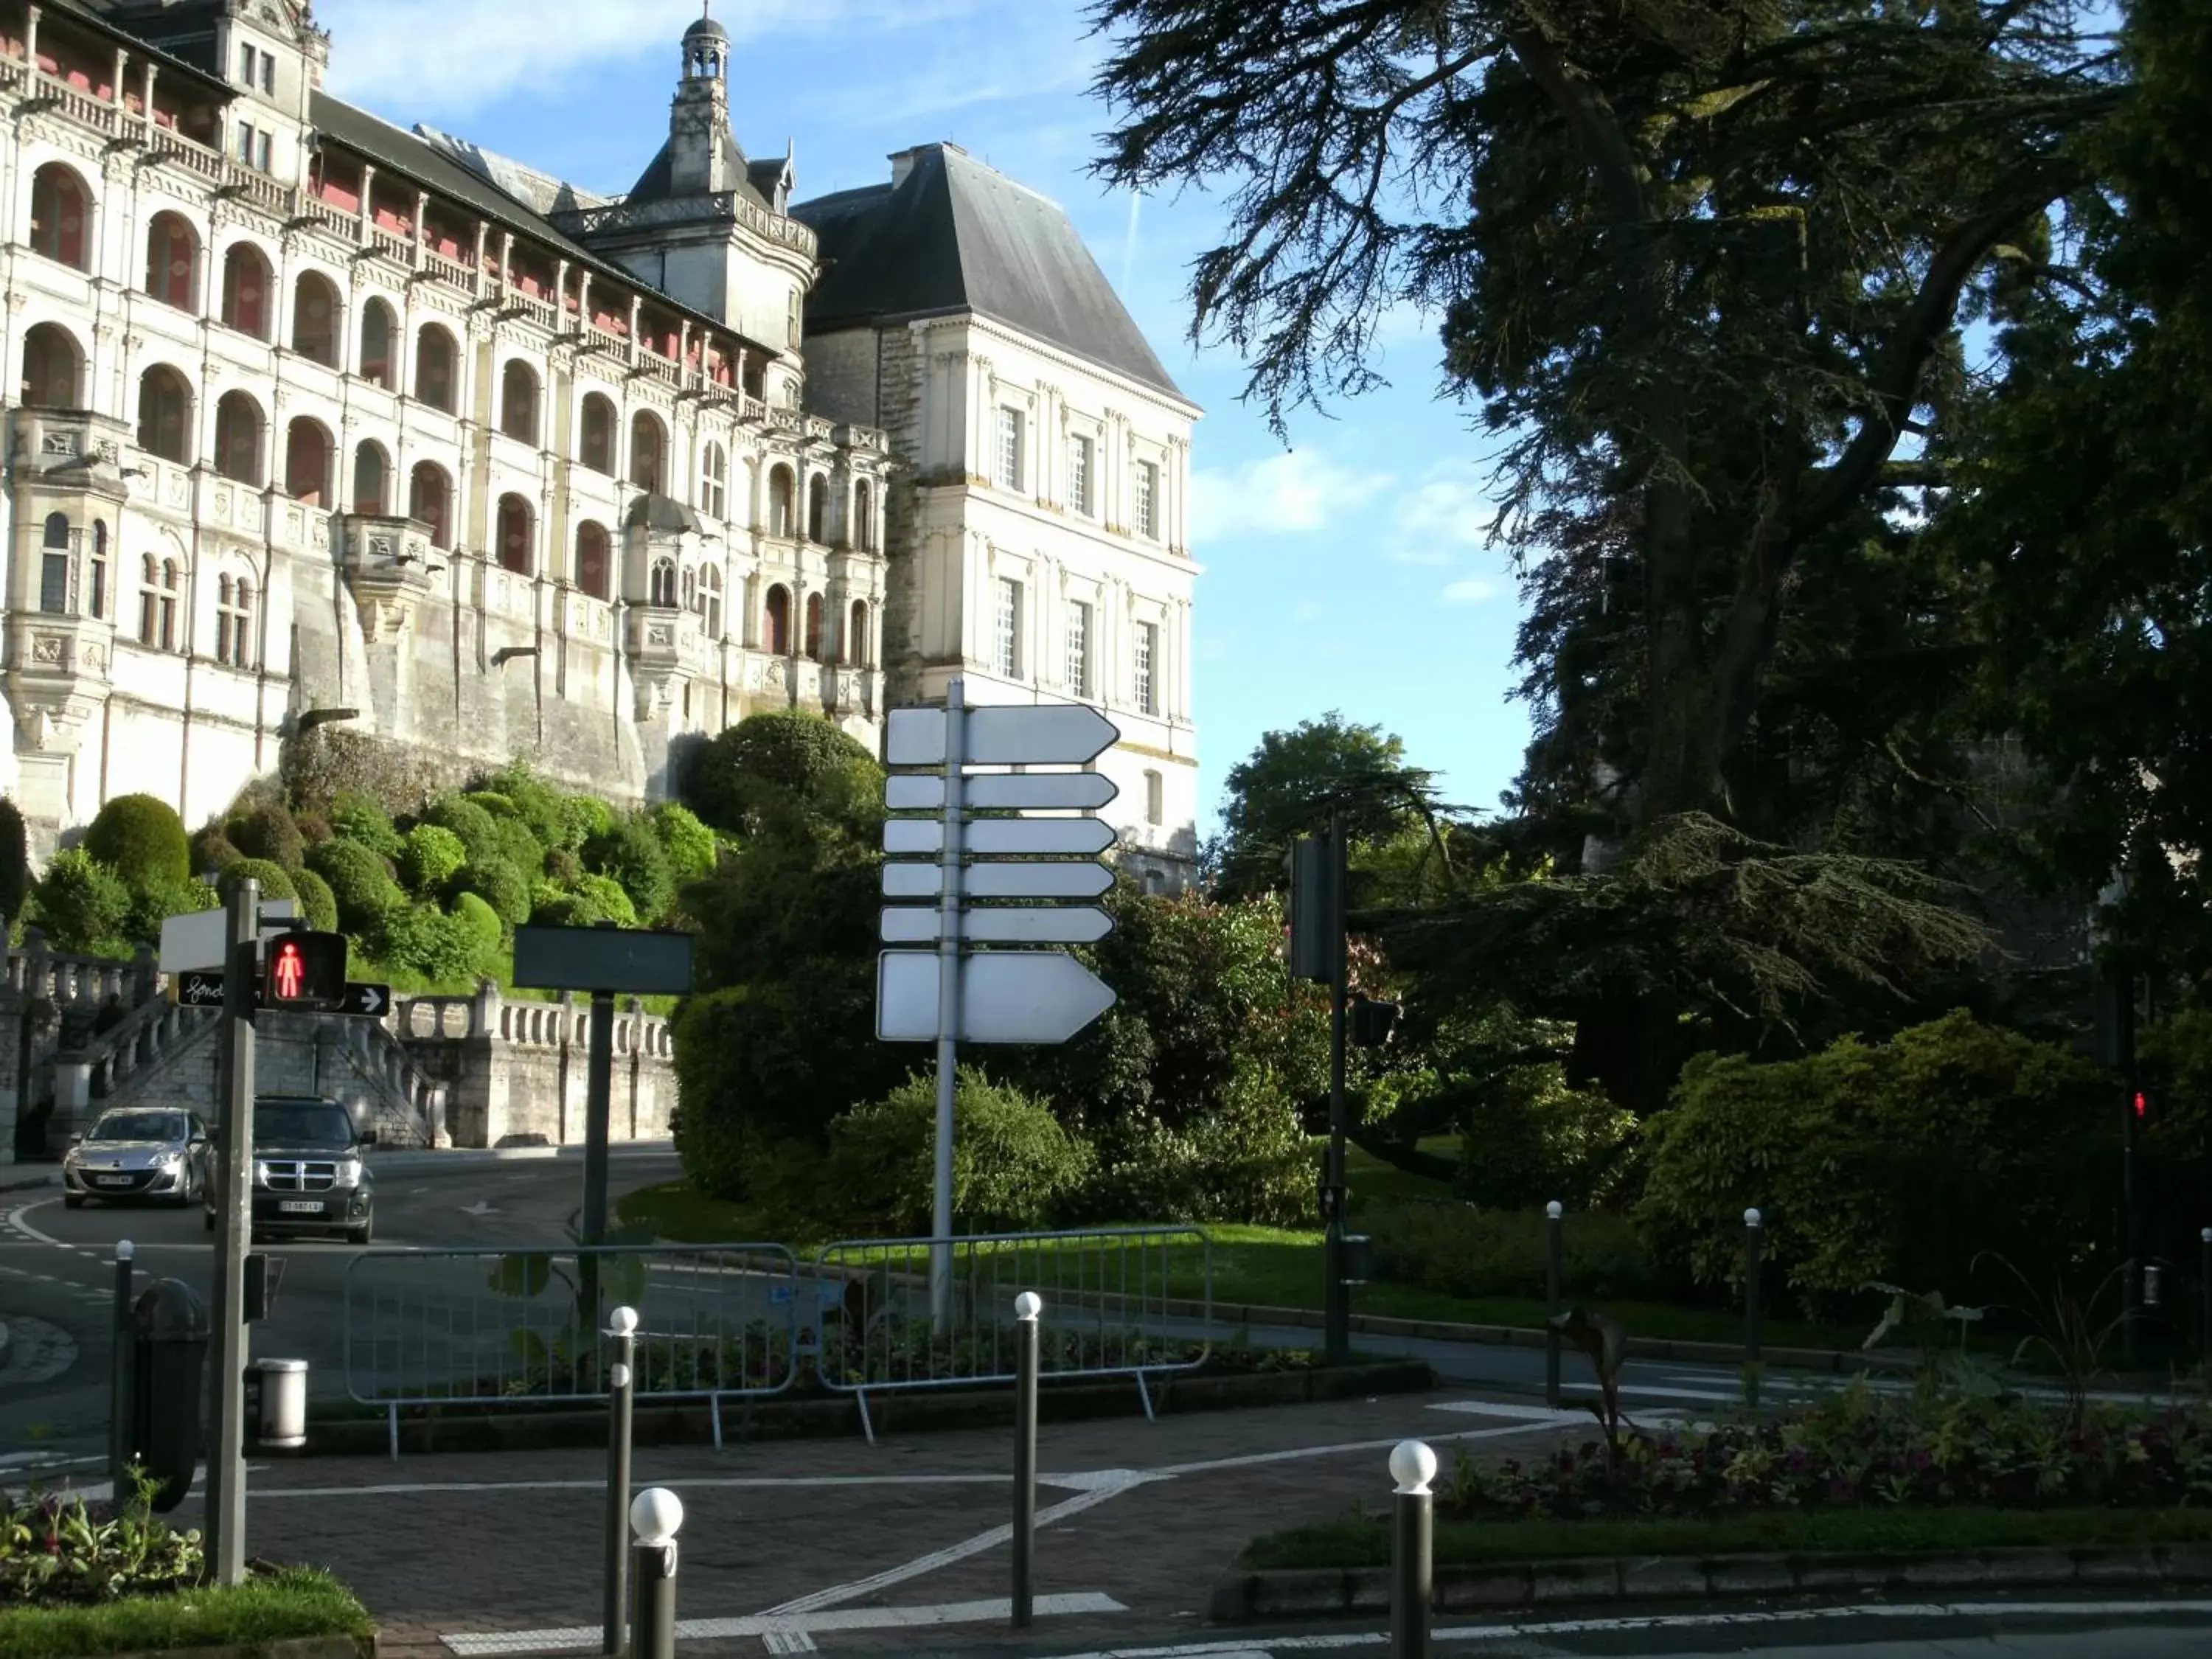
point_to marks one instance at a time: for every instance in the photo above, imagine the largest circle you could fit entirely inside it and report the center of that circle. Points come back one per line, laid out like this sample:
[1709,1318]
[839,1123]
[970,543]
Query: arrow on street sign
[1005,996]
[1039,792]
[374,1001]
[1021,734]
[1021,836]
[1058,880]
[1056,924]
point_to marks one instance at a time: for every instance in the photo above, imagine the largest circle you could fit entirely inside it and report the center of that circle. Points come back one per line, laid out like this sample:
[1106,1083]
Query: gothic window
[592,559]
[595,445]
[234,622]
[518,402]
[172,250]
[430,500]
[435,376]
[516,535]
[238,438]
[776,636]
[814,626]
[856,643]
[661,583]
[51,365]
[308,455]
[379,329]
[57,565]
[315,319]
[372,475]
[61,216]
[245,283]
[817,509]
[780,504]
[165,414]
[647,452]
[714,481]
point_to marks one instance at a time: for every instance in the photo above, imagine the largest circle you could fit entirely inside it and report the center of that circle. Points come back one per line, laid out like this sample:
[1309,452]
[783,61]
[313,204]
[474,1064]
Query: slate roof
[660,512]
[652,185]
[955,235]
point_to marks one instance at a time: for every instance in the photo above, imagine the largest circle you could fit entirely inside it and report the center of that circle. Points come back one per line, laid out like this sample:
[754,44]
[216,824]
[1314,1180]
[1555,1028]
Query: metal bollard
[655,1514]
[1554,1271]
[622,1326]
[120,1403]
[1413,1531]
[1027,1306]
[1755,1303]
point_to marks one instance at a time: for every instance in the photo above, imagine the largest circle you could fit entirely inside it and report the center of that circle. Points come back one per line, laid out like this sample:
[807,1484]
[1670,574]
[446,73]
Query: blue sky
[1348,571]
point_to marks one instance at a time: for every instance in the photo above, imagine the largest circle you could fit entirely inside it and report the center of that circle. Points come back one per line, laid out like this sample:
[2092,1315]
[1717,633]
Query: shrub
[428,856]
[142,840]
[82,904]
[1458,1250]
[516,846]
[1249,1161]
[360,886]
[1900,1162]
[421,938]
[534,801]
[483,925]
[1014,1165]
[275,880]
[317,903]
[14,863]
[267,833]
[149,909]
[357,818]
[771,762]
[213,852]
[313,827]
[498,884]
[1531,1136]
[475,826]
[492,802]
[632,854]
[583,817]
[562,867]
[690,844]
[594,899]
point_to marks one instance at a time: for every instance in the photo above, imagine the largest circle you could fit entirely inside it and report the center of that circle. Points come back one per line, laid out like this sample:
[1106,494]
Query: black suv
[309,1173]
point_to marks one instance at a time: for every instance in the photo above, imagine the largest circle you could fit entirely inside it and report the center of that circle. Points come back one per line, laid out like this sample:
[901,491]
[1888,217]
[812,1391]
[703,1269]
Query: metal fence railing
[1106,1292]
[521,1326]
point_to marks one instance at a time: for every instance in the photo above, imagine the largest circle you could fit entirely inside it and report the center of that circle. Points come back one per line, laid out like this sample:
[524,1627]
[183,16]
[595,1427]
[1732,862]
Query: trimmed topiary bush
[632,854]
[690,844]
[14,863]
[421,938]
[496,882]
[141,840]
[428,856]
[492,802]
[356,817]
[583,817]
[213,852]
[483,925]
[534,801]
[275,880]
[268,832]
[516,845]
[593,900]
[317,903]
[769,761]
[360,885]
[477,830]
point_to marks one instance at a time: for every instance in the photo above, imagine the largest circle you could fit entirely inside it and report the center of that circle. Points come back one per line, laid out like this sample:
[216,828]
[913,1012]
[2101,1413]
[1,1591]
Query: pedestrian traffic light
[306,971]
[2145,1106]
[1373,1023]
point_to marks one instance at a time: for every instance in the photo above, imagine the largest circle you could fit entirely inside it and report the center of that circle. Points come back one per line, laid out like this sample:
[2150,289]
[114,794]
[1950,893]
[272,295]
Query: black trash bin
[172,1332]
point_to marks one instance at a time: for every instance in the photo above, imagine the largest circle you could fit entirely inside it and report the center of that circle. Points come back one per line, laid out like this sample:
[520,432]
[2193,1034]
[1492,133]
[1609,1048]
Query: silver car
[141,1152]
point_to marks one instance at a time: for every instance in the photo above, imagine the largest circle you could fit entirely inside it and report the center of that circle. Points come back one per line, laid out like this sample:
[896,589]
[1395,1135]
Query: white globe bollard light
[623,1321]
[1413,1534]
[655,1516]
[1028,1308]
[1554,1210]
[621,1378]
[1555,1270]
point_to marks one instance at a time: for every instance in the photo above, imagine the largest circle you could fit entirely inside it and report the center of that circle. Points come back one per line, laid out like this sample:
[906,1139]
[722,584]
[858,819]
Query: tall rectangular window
[246,143]
[245,64]
[1078,649]
[268,72]
[1155,799]
[1148,654]
[1078,474]
[54,584]
[1010,629]
[1148,501]
[1010,449]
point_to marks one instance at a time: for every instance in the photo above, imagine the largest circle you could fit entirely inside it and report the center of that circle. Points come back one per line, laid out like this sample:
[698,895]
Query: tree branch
[1589,118]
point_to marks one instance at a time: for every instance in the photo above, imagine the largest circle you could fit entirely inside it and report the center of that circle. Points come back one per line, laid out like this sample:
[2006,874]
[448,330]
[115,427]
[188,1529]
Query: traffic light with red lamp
[2144,1105]
[305,971]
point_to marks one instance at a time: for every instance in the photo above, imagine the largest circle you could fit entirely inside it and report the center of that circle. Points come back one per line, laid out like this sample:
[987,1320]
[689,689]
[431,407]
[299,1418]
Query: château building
[311,419]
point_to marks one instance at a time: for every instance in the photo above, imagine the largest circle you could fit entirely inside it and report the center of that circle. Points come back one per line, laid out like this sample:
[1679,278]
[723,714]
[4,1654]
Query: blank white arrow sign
[1063,880]
[1035,734]
[1006,996]
[1039,924]
[988,837]
[1037,791]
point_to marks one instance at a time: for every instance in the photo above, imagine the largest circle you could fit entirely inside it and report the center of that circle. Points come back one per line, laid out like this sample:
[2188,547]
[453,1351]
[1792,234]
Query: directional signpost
[944,994]
[200,989]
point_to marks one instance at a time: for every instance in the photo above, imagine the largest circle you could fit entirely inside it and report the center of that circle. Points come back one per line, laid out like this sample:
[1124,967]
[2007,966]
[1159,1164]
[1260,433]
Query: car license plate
[300,1205]
[112,1181]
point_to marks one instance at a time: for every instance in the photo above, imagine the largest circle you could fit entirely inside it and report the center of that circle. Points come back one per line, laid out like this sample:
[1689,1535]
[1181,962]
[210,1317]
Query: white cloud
[1469,590]
[1448,512]
[1292,493]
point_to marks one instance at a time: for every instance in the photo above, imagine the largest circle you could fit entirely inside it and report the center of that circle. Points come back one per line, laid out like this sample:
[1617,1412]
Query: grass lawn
[1482,1543]
[302,1601]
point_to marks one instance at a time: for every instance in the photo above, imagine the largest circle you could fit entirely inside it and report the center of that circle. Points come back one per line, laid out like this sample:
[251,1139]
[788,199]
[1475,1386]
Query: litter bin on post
[280,1416]
[170,1331]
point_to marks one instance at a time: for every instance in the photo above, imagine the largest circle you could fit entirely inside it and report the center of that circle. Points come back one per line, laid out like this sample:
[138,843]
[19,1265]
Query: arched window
[436,377]
[165,414]
[372,475]
[714,481]
[648,451]
[864,517]
[814,626]
[856,643]
[660,587]
[379,329]
[61,216]
[233,622]
[430,501]
[817,509]
[776,635]
[246,290]
[237,437]
[592,559]
[158,586]
[96,604]
[57,565]
[173,254]
[516,535]
[307,456]
[595,444]
[710,601]
[315,318]
[779,501]
[52,363]
[518,401]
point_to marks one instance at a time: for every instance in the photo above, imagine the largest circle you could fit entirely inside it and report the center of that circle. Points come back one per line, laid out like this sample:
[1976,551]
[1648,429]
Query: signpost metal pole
[1555,1272]
[1027,1306]
[622,1326]
[599,1105]
[120,1365]
[1755,1303]
[226,1472]
[1337,1295]
[948,1007]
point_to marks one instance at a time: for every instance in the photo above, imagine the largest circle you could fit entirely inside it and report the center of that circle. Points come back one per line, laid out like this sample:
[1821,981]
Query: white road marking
[16,1219]
[771,1623]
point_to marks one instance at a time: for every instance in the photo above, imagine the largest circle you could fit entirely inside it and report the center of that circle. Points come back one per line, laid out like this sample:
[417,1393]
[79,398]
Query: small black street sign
[199,990]
[373,1001]
[628,961]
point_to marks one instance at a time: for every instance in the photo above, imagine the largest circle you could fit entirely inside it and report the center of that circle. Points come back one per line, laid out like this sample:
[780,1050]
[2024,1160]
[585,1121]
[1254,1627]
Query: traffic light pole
[2131,1284]
[226,1471]
[1336,1295]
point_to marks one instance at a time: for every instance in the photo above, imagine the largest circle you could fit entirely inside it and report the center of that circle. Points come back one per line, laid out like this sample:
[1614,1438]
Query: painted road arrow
[1055,880]
[1020,792]
[1044,924]
[1005,996]
[988,836]
[1031,734]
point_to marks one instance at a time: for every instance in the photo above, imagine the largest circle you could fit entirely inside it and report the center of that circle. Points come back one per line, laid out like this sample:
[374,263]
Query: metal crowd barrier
[1105,1290]
[517,1326]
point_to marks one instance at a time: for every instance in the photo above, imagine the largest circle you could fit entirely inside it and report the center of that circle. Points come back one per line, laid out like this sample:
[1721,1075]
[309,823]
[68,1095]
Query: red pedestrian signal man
[287,975]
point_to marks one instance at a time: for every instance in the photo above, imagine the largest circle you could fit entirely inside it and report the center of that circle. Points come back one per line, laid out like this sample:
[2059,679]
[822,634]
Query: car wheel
[73,1201]
[361,1234]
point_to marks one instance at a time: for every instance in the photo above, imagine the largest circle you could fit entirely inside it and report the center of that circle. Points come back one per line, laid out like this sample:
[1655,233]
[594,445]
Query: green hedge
[357,818]
[360,885]
[317,900]
[275,880]
[428,857]
[268,832]
[142,840]
[632,854]
[475,827]
[498,884]
[1459,1250]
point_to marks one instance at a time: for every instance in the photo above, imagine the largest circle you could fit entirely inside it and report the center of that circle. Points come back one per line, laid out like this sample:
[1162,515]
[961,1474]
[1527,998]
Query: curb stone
[1291,1593]
[297,1647]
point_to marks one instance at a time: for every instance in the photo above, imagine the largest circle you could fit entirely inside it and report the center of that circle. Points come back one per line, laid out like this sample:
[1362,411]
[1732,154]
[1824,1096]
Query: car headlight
[349,1172]
[260,1173]
[168,1160]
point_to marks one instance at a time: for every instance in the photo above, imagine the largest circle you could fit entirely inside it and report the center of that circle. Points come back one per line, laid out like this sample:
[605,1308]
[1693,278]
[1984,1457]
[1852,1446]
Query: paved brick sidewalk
[448,1544]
